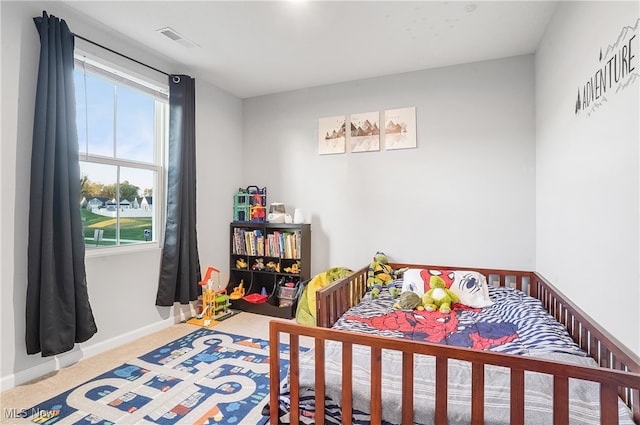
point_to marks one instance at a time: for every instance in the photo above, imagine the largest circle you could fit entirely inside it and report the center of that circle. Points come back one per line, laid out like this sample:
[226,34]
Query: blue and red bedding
[515,323]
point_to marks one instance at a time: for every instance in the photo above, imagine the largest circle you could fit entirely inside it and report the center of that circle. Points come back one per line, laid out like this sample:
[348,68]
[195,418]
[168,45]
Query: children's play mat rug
[205,377]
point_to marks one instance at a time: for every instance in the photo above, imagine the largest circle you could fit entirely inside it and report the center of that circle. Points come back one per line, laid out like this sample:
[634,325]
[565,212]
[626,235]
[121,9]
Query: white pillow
[412,281]
[471,287]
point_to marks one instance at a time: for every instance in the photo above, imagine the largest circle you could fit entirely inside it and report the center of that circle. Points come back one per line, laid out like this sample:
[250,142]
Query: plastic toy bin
[287,295]
[287,292]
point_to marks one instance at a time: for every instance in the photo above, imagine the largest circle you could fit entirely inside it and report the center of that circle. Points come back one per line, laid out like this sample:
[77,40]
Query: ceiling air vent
[175,36]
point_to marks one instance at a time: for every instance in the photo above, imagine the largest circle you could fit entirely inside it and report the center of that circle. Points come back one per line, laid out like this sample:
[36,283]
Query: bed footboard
[610,380]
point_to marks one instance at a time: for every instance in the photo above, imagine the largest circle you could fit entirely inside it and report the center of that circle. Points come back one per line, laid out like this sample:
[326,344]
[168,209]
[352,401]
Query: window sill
[119,250]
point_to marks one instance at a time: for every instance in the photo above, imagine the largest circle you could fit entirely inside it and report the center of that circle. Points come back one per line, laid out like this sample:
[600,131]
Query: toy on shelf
[272,266]
[241,205]
[255,298]
[250,204]
[257,203]
[258,264]
[294,269]
[238,291]
[215,301]
[241,263]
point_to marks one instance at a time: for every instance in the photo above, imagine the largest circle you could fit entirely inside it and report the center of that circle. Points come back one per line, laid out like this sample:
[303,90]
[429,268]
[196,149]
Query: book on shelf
[255,243]
[287,246]
[290,244]
[239,241]
[247,243]
[272,247]
[260,244]
[281,245]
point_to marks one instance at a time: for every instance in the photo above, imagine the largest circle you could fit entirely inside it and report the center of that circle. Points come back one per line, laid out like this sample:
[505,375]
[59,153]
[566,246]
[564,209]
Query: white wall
[122,288]
[219,166]
[587,169]
[465,196]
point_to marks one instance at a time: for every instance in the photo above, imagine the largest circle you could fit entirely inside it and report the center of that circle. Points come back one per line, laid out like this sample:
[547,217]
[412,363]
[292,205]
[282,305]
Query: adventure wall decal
[618,70]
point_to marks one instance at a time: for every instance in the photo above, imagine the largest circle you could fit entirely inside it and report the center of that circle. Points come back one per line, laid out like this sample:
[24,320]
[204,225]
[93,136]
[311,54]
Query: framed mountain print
[400,128]
[332,135]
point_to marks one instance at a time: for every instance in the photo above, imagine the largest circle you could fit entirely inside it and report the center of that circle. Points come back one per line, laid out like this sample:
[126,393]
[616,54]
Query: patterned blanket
[515,324]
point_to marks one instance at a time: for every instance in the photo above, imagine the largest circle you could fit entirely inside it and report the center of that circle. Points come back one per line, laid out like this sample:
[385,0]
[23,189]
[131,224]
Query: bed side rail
[608,351]
[610,380]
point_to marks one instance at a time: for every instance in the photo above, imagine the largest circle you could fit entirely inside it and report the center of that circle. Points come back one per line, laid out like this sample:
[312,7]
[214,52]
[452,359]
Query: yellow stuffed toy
[381,274]
[438,297]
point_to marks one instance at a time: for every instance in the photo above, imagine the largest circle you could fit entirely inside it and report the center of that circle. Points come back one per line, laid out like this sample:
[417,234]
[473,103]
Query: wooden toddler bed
[350,372]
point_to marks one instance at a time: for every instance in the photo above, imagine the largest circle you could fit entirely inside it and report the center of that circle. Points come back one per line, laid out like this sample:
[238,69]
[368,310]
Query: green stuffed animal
[438,297]
[409,300]
[381,274]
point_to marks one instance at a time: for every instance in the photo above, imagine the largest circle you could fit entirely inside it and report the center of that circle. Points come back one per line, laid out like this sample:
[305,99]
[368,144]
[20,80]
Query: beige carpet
[29,394]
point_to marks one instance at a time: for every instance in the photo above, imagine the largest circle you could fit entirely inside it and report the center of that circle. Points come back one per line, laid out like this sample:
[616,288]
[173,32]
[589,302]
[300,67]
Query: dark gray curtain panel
[180,267]
[58,313]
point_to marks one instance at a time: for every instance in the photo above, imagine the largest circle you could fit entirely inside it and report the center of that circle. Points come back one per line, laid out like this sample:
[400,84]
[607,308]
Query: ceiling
[262,47]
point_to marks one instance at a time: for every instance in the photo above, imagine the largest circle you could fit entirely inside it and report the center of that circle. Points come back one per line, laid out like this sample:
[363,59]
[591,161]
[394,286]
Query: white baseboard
[80,352]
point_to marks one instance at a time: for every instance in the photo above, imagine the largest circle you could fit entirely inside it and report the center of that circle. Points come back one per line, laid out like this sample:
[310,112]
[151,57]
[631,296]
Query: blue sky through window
[104,109]
[134,126]
[97,117]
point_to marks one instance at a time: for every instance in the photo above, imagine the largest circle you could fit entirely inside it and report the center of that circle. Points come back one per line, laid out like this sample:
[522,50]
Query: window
[122,125]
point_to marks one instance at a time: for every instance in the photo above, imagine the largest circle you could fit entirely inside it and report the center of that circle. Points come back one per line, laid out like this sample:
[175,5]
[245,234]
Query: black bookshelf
[288,265]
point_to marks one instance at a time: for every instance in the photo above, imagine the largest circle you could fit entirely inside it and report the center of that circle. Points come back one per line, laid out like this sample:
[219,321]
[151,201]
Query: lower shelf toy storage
[277,303]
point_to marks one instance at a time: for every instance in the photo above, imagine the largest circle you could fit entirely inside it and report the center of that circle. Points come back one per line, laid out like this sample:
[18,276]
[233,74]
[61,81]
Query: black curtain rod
[120,54]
